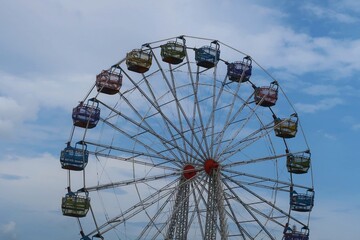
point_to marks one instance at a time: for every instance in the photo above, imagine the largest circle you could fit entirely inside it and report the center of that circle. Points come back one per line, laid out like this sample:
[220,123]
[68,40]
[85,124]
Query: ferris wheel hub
[189,171]
[210,165]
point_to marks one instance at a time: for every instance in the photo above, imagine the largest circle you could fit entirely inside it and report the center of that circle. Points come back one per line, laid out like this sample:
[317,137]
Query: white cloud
[352,6]
[322,105]
[351,121]
[21,98]
[328,213]
[322,90]
[8,227]
[356,126]
[85,41]
[330,13]
[31,172]
[8,231]
[329,136]
[12,114]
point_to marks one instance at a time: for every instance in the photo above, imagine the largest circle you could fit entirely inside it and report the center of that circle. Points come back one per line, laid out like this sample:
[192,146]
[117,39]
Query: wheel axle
[210,165]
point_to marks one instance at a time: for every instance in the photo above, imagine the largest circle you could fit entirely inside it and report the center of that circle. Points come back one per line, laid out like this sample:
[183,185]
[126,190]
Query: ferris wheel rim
[199,157]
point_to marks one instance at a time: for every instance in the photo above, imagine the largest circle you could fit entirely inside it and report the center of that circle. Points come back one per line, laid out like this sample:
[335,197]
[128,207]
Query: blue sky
[50,51]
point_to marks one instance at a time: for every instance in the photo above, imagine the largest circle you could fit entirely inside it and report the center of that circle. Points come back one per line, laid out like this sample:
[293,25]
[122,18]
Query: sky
[50,52]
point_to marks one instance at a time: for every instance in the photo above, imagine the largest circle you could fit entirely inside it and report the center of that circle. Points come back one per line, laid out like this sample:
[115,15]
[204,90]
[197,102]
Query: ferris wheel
[187,138]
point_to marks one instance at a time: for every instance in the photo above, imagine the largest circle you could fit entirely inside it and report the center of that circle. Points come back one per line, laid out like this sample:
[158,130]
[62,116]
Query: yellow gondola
[138,60]
[75,205]
[286,128]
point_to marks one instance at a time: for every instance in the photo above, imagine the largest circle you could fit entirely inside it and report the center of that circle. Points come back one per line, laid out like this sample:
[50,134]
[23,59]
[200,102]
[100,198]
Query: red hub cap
[189,171]
[209,165]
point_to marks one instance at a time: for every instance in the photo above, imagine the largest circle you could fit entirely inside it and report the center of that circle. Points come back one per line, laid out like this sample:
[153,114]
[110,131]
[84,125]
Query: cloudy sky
[50,50]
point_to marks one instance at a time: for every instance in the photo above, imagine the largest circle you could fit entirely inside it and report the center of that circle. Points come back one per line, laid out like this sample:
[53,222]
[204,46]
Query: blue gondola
[75,205]
[74,158]
[293,234]
[266,96]
[302,202]
[173,52]
[139,60]
[240,71]
[109,81]
[286,128]
[86,115]
[298,163]
[208,56]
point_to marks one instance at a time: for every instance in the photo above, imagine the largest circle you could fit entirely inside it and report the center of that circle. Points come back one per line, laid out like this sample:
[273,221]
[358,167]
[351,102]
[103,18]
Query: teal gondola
[74,158]
[208,56]
[302,202]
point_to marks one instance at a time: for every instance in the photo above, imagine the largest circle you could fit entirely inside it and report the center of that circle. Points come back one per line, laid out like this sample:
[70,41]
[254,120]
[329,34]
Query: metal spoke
[230,119]
[165,118]
[137,208]
[263,200]
[151,131]
[129,182]
[284,186]
[249,211]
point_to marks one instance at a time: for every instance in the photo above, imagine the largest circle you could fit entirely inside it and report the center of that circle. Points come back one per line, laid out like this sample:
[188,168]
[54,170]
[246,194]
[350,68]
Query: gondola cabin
[298,163]
[240,71]
[138,60]
[286,128]
[109,82]
[293,234]
[173,52]
[302,202]
[86,115]
[75,205]
[74,158]
[207,56]
[266,96]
